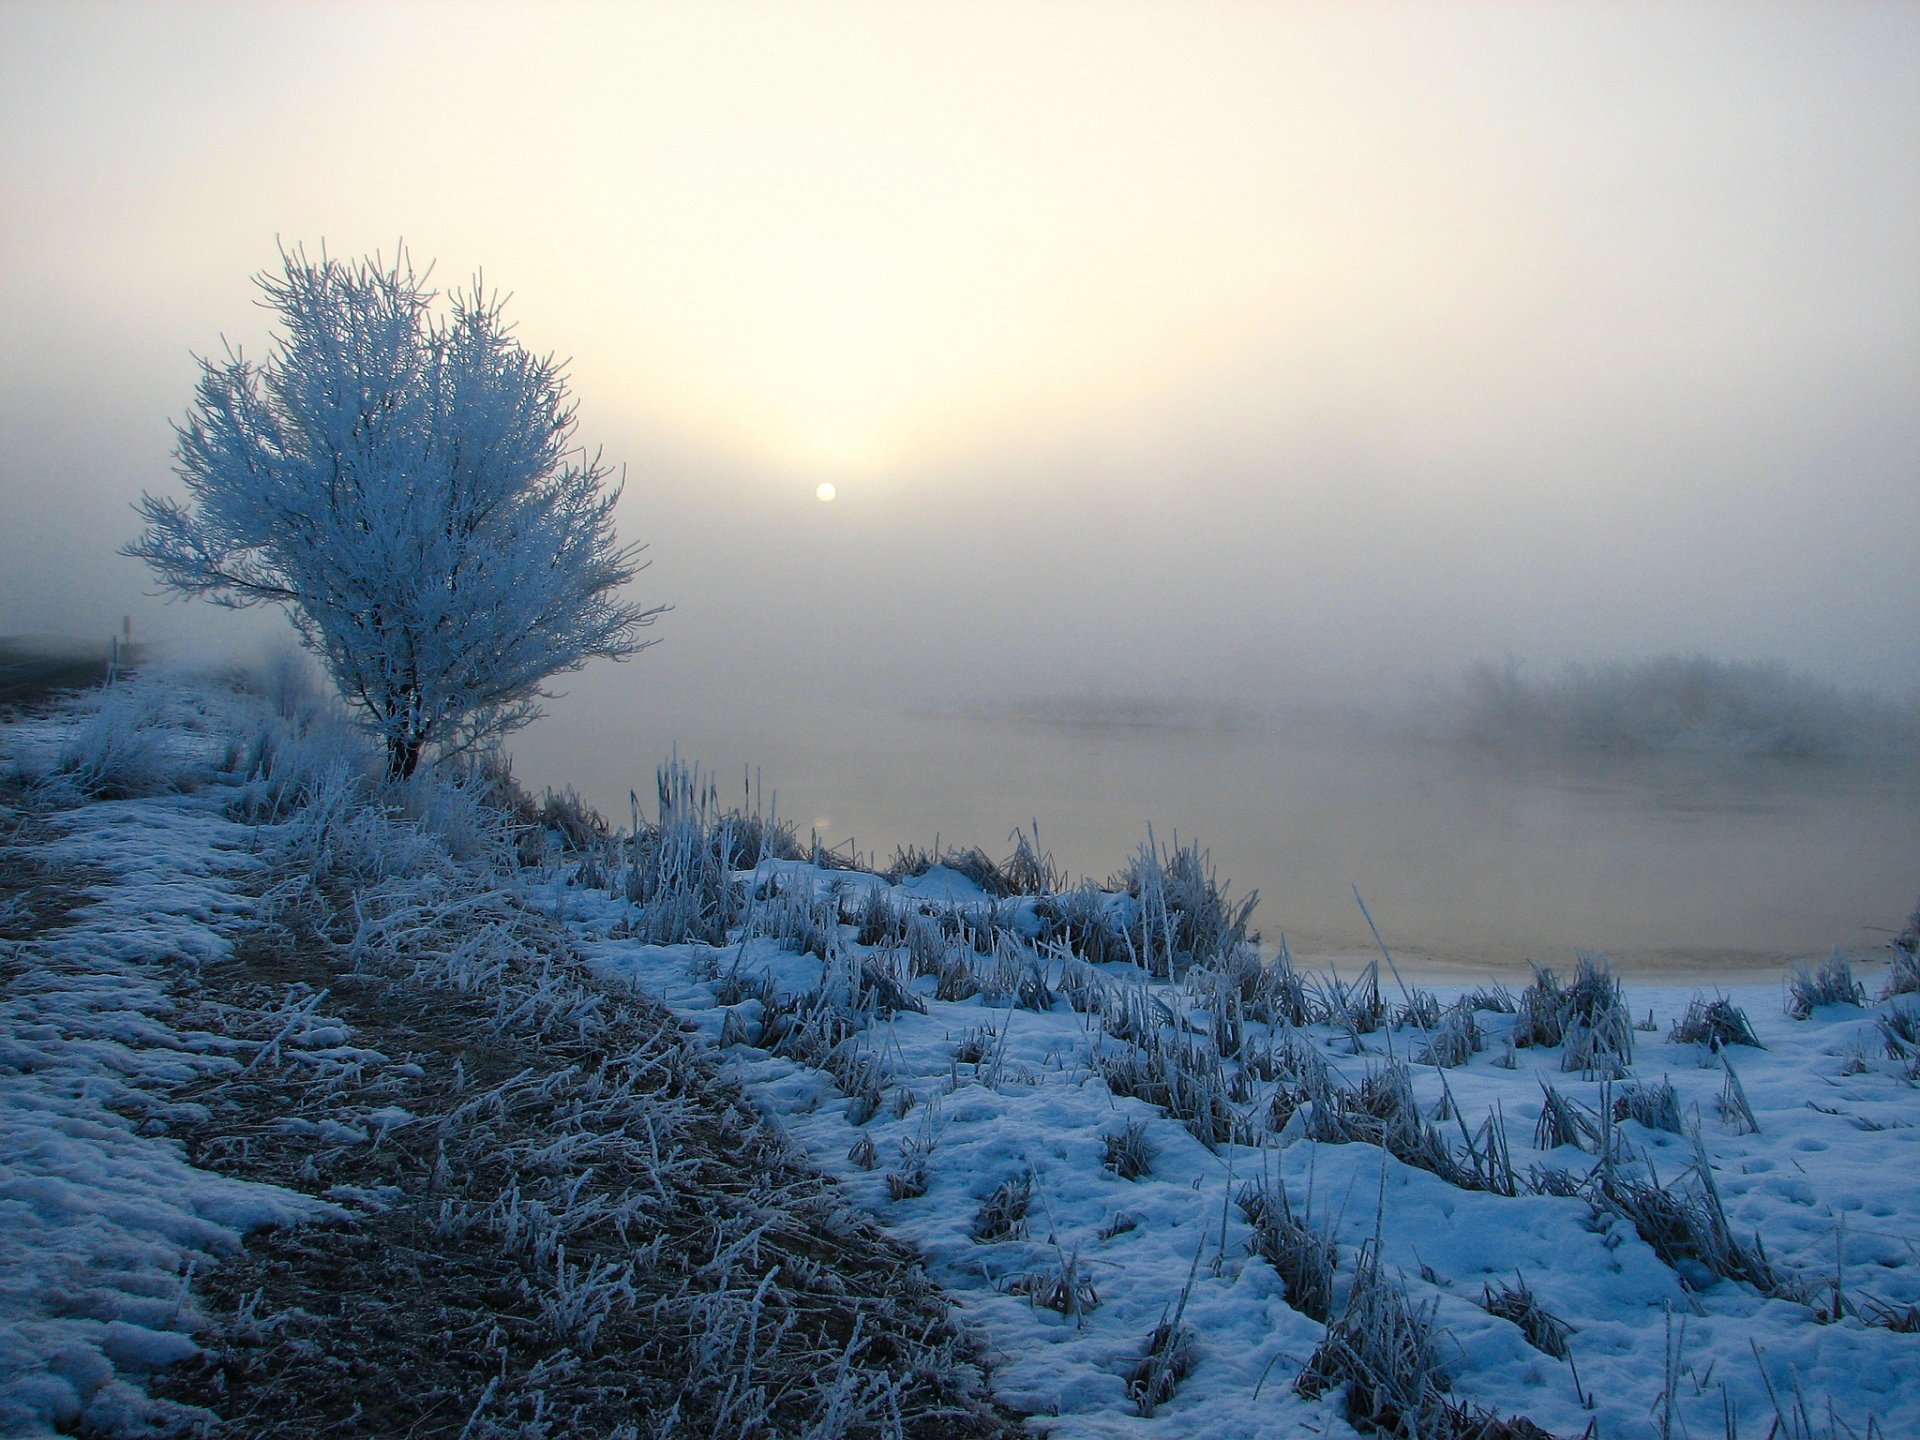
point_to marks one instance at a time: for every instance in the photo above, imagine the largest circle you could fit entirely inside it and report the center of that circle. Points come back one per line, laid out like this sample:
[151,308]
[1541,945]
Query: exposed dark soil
[422,1315]
[36,894]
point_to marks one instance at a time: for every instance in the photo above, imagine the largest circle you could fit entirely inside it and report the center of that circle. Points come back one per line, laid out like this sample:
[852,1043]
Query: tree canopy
[405,483]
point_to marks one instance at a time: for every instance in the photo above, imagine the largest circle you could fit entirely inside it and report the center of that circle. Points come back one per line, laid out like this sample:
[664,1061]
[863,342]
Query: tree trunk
[403,756]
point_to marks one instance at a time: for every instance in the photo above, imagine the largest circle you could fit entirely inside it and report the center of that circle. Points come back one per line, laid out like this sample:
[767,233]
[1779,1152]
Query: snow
[1828,1191]
[102,1220]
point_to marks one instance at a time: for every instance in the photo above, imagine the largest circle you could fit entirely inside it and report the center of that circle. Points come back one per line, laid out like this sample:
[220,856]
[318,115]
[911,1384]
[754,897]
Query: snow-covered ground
[103,1223]
[985,1092]
[1101,1118]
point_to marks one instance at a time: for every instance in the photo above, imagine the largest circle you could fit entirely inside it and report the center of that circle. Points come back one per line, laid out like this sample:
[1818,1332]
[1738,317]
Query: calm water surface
[1470,860]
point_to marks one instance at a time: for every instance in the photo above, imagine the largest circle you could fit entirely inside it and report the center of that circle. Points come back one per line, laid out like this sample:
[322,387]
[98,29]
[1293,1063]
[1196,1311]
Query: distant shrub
[1677,702]
[1903,976]
[1909,937]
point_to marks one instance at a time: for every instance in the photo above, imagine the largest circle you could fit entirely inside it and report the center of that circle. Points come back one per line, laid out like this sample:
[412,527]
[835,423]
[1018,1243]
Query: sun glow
[831,274]
[825,491]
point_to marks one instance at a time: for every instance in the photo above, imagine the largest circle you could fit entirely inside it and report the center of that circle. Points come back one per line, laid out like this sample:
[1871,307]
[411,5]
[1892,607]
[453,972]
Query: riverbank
[269,1023]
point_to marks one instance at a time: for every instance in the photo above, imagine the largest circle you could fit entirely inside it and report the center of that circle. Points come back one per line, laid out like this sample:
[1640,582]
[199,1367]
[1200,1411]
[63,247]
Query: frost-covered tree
[406,485]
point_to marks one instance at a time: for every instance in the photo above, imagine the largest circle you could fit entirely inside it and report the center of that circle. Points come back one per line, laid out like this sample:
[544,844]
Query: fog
[1256,354]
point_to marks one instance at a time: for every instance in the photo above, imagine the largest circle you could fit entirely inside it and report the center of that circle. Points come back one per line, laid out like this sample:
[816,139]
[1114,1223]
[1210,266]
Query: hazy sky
[1231,348]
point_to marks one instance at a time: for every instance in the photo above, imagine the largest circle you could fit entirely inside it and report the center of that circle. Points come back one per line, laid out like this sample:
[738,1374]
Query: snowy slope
[980,1092]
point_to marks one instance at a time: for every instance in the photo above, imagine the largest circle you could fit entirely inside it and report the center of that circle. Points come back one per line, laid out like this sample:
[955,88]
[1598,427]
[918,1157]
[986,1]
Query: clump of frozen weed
[798,918]
[1280,997]
[1541,1013]
[1657,1106]
[1714,1023]
[1029,870]
[1302,1255]
[953,977]
[1383,1348]
[1384,1112]
[1128,1152]
[1563,1122]
[121,746]
[577,824]
[680,868]
[1015,974]
[1003,1215]
[1356,1008]
[910,1179]
[878,921]
[1734,1108]
[1183,1075]
[1688,1228]
[1900,1033]
[925,942]
[1081,920]
[909,1182]
[876,984]
[981,927]
[973,863]
[1157,1374]
[976,1046]
[1118,1223]
[1831,983]
[1182,916]
[1063,1288]
[462,812]
[1552,1180]
[1545,1331]
[860,1077]
[1903,972]
[1589,1017]
[1902,1319]
[1455,1039]
[1496,999]
[1420,1011]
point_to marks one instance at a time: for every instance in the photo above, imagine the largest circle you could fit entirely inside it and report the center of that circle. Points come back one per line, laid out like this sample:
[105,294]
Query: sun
[825,491]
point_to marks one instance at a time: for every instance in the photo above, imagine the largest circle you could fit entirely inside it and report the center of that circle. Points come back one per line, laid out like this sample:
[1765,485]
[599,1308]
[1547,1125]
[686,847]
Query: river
[1472,861]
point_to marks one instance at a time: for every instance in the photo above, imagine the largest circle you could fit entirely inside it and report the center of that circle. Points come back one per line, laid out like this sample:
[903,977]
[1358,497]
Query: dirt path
[542,1233]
